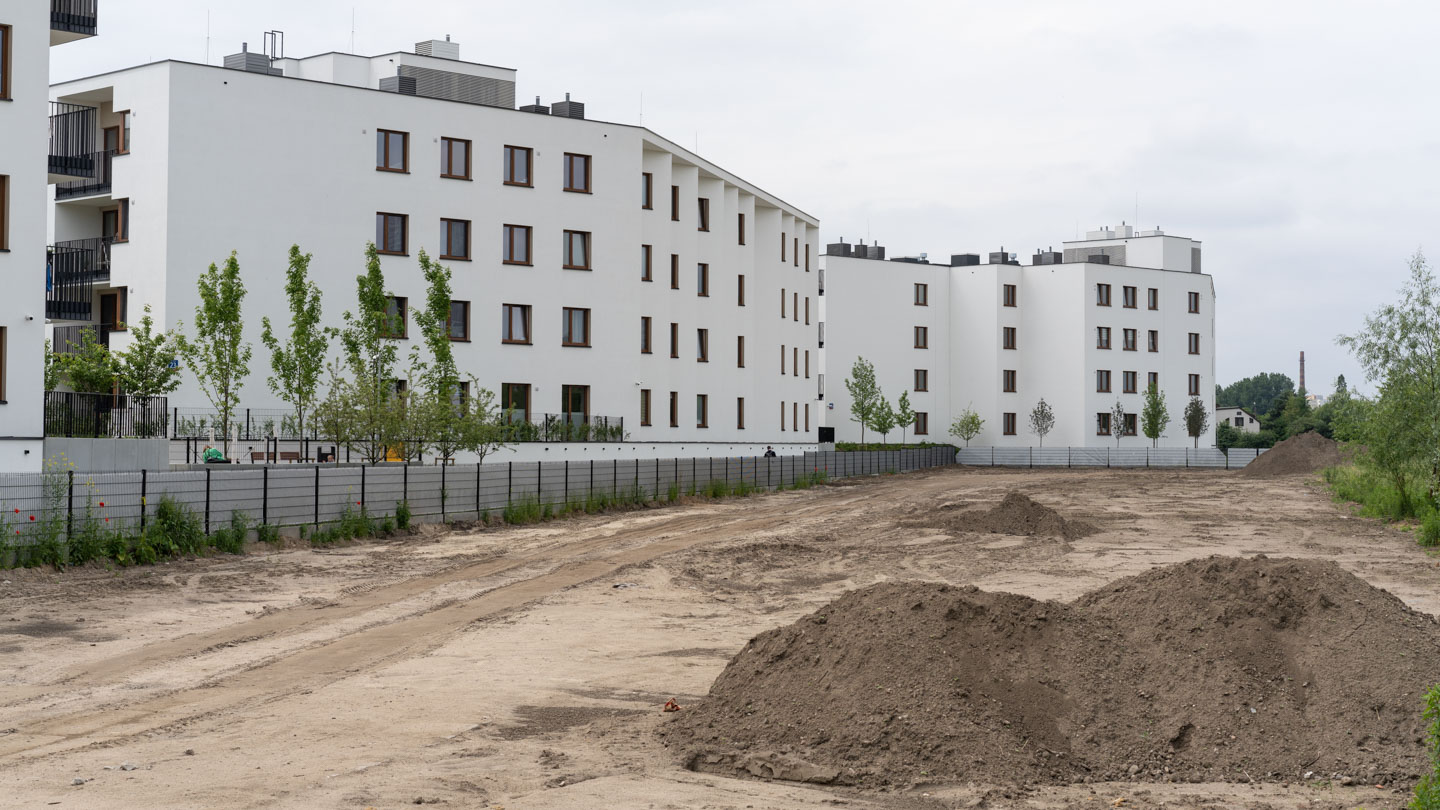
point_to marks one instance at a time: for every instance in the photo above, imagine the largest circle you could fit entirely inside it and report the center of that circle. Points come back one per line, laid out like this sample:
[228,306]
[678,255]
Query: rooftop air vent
[837,249]
[404,85]
[964,259]
[537,107]
[440,49]
[568,108]
[251,62]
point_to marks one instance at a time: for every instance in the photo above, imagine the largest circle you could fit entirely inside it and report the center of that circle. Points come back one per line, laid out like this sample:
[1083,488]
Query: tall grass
[1377,496]
[1427,792]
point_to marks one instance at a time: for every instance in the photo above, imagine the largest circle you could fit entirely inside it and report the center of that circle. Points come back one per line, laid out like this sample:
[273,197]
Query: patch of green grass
[715,488]
[673,493]
[268,534]
[1427,791]
[523,511]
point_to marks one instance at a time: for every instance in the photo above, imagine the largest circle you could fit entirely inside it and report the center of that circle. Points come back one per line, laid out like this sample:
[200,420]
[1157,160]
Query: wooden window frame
[647,343]
[4,354]
[702,280]
[510,152]
[402,312]
[1102,337]
[1129,340]
[1152,378]
[647,264]
[647,191]
[1193,343]
[645,414]
[567,255]
[922,380]
[674,203]
[7,62]
[4,212]
[568,170]
[782,416]
[1129,297]
[922,294]
[922,337]
[795,251]
[783,296]
[1129,382]
[122,228]
[526,318]
[674,341]
[506,388]
[794,361]
[382,228]
[674,409]
[383,165]
[450,322]
[1104,381]
[702,345]
[1129,425]
[1102,295]
[806,409]
[1194,385]
[784,237]
[1152,298]
[447,147]
[565,389]
[674,271]
[807,258]
[1009,337]
[1008,424]
[120,294]
[1153,340]
[795,417]
[782,359]
[445,224]
[807,310]
[1193,302]
[565,325]
[1008,380]
[739,413]
[703,214]
[795,307]
[922,423]
[1009,295]
[807,364]
[1102,424]
[507,240]
[740,291]
[739,351]
[702,410]
[741,226]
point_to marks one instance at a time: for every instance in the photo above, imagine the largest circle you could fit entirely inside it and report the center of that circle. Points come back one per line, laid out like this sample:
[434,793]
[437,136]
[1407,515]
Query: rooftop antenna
[642,108]
[352,29]
[207,36]
[1137,209]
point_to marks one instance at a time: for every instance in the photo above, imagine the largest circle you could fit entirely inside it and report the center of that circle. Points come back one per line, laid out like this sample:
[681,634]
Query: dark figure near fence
[769,452]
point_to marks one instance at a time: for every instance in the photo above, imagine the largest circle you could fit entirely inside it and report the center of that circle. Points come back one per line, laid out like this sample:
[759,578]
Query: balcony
[94,184]
[68,339]
[69,283]
[822,281]
[72,19]
[72,141]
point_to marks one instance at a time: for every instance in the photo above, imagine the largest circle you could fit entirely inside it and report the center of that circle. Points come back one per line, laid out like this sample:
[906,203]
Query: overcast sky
[1297,140]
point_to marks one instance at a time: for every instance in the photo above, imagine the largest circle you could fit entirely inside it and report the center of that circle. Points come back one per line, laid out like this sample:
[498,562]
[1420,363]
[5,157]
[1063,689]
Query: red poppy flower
[32,517]
[107,520]
[102,503]
[357,503]
[17,511]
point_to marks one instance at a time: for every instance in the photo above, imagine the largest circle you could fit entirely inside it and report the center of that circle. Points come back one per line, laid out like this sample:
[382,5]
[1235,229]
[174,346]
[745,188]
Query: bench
[285,455]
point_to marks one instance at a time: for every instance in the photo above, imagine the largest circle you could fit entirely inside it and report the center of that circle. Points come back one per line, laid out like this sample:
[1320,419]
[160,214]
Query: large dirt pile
[1214,669]
[1016,514]
[1307,453]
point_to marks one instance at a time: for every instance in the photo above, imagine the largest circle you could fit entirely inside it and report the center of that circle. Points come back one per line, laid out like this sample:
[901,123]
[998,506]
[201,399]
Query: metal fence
[295,495]
[260,424]
[104,416]
[1191,457]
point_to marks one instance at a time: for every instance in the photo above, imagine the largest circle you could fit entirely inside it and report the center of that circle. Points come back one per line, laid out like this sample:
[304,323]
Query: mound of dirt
[1017,514]
[1219,669]
[1307,453]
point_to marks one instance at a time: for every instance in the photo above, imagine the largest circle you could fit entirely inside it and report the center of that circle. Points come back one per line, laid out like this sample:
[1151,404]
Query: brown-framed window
[577,172]
[455,239]
[795,307]
[1194,342]
[457,326]
[783,296]
[392,232]
[740,291]
[702,410]
[784,237]
[115,222]
[1009,337]
[1009,295]
[702,345]
[3,333]
[1154,340]
[397,320]
[577,250]
[644,407]
[575,402]
[794,416]
[782,359]
[1194,385]
[782,417]
[795,361]
[922,337]
[1130,421]
[455,158]
[1008,423]
[645,334]
[515,401]
[646,268]
[392,151]
[1129,341]
[702,280]
[1128,297]
[674,271]
[1102,424]
[116,139]
[1102,381]
[5,62]
[1102,337]
[675,409]
[807,417]
[675,340]
[1129,381]
[575,330]
[112,310]
[517,241]
[739,413]
[739,351]
[703,214]
[807,261]
[741,229]
[1102,295]
[922,423]
[674,203]
[515,323]
[4,211]
[1152,379]
[518,161]
[922,379]
[647,194]
[1009,379]
[807,364]
[1152,298]
[1194,299]
[922,295]
[807,310]
[795,251]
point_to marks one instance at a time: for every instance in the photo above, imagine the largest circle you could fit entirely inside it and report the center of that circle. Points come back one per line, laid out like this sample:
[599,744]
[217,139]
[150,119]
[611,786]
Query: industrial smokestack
[1302,372]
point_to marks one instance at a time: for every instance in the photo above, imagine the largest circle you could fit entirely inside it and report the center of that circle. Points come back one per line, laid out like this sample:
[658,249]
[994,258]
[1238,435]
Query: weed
[402,516]
[715,488]
[673,493]
[742,489]
[1427,792]
[525,511]
[266,533]
[231,539]
[173,530]
[387,527]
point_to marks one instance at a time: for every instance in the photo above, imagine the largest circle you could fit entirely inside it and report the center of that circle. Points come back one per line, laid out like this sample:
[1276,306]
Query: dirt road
[526,667]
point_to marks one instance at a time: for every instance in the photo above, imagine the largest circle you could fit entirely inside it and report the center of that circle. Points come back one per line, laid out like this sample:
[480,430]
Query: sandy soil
[525,668]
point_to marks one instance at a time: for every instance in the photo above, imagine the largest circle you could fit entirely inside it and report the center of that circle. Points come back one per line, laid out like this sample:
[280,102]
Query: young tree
[967,426]
[1197,418]
[882,416]
[368,343]
[52,367]
[1117,421]
[298,362]
[1155,417]
[150,366]
[90,367]
[218,355]
[864,394]
[904,416]
[1042,420]
[334,415]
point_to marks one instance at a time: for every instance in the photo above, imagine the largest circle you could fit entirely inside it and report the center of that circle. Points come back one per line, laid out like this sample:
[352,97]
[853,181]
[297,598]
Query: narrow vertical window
[703,215]
[807,364]
[1130,424]
[740,351]
[782,303]
[795,307]
[1194,342]
[782,359]
[922,337]
[577,172]
[577,250]
[807,310]
[1130,343]
[515,323]
[1009,337]
[782,417]
[647,191]
[675,340]
[702,410]
[1128,297]
[795,251]
[807,257]
[5,212]
[455,158]
[674,409]
[674,203]
[739,413]
[1154,340]
[645,407]
[783,238]
[702,280]
[1152,298]
[807,417]
[1009,379]
[4,364]
[702,345]
[1102,337]
[1008,424]
[457,325]
[1102,381]
[455,239]
[795,361]
[740,291]
[645,264]
[1152,379]
[645,334]
[391,233]
[517,165]
[1129,381]
[576,327]
[392,151]
[1194,302]
[1102,424]
[517,244]
[674,271]
[922,379]
[1102,295]
[922,295]
[396,323]
[922,423]
[1194,385]
[4,65]
[742,228]
[1009,295]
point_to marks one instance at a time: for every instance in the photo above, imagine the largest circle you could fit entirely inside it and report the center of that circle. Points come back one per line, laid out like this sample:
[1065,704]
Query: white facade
[1237,418]
[27,31]
[1055,309]
[223,159]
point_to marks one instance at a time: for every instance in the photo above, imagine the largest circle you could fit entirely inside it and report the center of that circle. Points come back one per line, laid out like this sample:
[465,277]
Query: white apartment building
[600,270]
[1081,328]
[27,32]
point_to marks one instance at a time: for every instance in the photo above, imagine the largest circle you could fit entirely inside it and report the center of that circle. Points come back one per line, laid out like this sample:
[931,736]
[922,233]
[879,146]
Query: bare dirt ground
[526,667]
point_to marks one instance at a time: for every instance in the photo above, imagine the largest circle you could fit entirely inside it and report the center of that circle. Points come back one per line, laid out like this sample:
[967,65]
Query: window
[783,237]
[515,323]
[807,364]
[674,271]
[4,211]
[1194,385]
[645,268]
[1152,379]
[1154,340]
[645,405]
[1194,342]
[795,361]
[1102,337]
[517,244]
[645,334]
[4,67]
[807,417]
[1009,379]
[795,306]
[457,326]
[576,329]
[1152,298]
[1009,297]
[1128,297]
[1129,424]
[113,225]
[702,410]
[740,292]
[392,151]
[575,402]
[1128,381]
[922,423]
[807,267]
[1131,343]
[455,239]
[703,223]
[577,173]
[782,417]
[1239,421]
[1009,333]
[1102,295]
[742,229]
[782,303]
[740,351]
[922,379]
[517,165]
[1194,302]
[391,233]
[577,250]
[782,359]
[922,337]
[675,409]
[647,194]
[739,413]
[795,251]
[1102,381]
[515,399]
[922,295]
[1008,424]
[807,310]
[702,345]
[675,340]
[794,416]
[455,158]
[3,33]
[674,207]
[396,322]
[702,280]
[1102,424]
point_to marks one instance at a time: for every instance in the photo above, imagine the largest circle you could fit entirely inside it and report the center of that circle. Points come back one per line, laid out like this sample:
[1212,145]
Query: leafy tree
[368,343]
[298,362]
[1297,416]
[883,418]
[864,394]
[904,416]
[335,414]
[1155,417]
[1256,394]
[218,355]
[52,367]
[89,367]
[150,366]
[1197,418]
[1117,421]
[1042,420]
[967,425]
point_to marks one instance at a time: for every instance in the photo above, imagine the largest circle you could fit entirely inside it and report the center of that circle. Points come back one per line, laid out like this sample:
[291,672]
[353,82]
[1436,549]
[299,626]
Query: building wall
[1248,423]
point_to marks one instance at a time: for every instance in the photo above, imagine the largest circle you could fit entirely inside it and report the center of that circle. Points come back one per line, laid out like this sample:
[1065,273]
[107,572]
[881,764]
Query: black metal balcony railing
[96,183]
[72,139]
[565,427]
[69,283]
[99,247]
[74,16]
[99,416]
[68,339]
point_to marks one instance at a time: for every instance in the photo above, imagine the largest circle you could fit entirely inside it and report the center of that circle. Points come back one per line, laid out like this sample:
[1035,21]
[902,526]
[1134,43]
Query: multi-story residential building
[600,270]
[27,31]
[1082,329]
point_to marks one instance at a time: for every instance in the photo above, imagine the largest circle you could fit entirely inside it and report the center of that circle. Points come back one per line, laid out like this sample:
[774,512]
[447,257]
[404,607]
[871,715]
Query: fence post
[615,477]
[143,481]
[405,484]
[207,499]
[477,490]
[317,494]
[442,490]
[565,493]
[70,507]
[264,495]
[591,491]
[992,455]
[1147,458]
[247,424]
[362,488]
[175,422]
[509,482]
[1032,458]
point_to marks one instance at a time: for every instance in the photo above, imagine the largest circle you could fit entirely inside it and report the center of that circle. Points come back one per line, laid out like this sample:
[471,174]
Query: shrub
[525,511]
[1427,792]
[387,527]
[1430,530]
[266,533]
[173,530]
[402,516]
[716,488]
[231,539]
[673,493]
[1375,492]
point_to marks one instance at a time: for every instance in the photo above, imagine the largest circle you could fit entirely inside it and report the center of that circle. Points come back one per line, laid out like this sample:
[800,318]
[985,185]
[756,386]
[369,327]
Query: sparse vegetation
[1427,792]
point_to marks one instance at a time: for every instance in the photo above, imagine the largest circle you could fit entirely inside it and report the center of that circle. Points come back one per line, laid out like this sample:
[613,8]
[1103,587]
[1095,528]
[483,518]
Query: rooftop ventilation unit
[568,108]
[440,49]
[837,249]
[964,259]
[1099,258]
[1004,258]
[1048,256]
[537,107]
[404,85]
[251,62]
